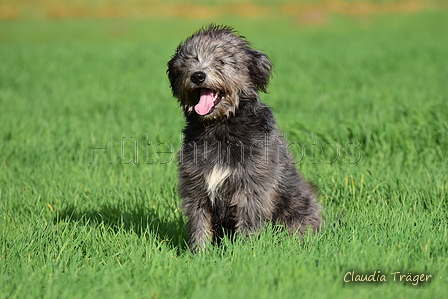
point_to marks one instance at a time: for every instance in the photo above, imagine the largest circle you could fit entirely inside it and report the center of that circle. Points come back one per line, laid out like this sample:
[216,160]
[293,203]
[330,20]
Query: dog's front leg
[253,212]
[249,218]
[200,223]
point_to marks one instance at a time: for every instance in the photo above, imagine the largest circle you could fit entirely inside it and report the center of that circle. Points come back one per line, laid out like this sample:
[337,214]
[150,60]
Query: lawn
[88,184]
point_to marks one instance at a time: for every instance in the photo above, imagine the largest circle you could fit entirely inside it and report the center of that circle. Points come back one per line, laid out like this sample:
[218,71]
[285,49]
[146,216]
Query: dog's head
[214,70]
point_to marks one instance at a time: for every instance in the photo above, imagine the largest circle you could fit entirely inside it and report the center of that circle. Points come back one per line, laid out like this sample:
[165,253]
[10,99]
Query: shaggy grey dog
[235,172]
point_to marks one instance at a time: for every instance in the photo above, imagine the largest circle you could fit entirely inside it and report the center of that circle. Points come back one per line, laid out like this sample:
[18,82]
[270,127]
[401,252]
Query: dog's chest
[215,179]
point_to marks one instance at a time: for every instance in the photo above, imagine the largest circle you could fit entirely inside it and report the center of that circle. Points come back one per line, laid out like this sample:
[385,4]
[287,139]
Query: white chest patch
[215,178]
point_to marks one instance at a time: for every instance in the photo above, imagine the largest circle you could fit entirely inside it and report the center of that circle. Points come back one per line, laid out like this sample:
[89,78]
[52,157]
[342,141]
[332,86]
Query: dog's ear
[260,68]
[173,74]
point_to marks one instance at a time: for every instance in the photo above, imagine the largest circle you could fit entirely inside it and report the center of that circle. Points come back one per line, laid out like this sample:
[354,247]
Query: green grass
[71,229]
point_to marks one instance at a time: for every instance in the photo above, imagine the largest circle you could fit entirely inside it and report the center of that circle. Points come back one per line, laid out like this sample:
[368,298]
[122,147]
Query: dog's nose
[198,77]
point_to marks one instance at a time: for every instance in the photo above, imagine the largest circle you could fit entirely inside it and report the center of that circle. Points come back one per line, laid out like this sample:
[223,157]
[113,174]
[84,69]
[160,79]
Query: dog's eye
[221,62]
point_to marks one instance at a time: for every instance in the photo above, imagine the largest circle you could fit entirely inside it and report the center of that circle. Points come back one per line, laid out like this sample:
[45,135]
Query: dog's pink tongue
[206,101]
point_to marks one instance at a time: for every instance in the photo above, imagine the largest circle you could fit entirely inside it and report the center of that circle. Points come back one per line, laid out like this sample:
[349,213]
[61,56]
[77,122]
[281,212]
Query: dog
[235,172]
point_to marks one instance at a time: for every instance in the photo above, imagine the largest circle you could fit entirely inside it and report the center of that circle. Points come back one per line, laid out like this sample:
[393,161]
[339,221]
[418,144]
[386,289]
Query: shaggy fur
[235,172]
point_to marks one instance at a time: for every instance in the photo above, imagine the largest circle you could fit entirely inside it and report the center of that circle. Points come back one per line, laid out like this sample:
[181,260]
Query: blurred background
[305,11]
[301,13]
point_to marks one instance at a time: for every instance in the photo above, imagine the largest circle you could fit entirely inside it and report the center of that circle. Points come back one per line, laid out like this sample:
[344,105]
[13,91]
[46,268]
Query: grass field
[362,100]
